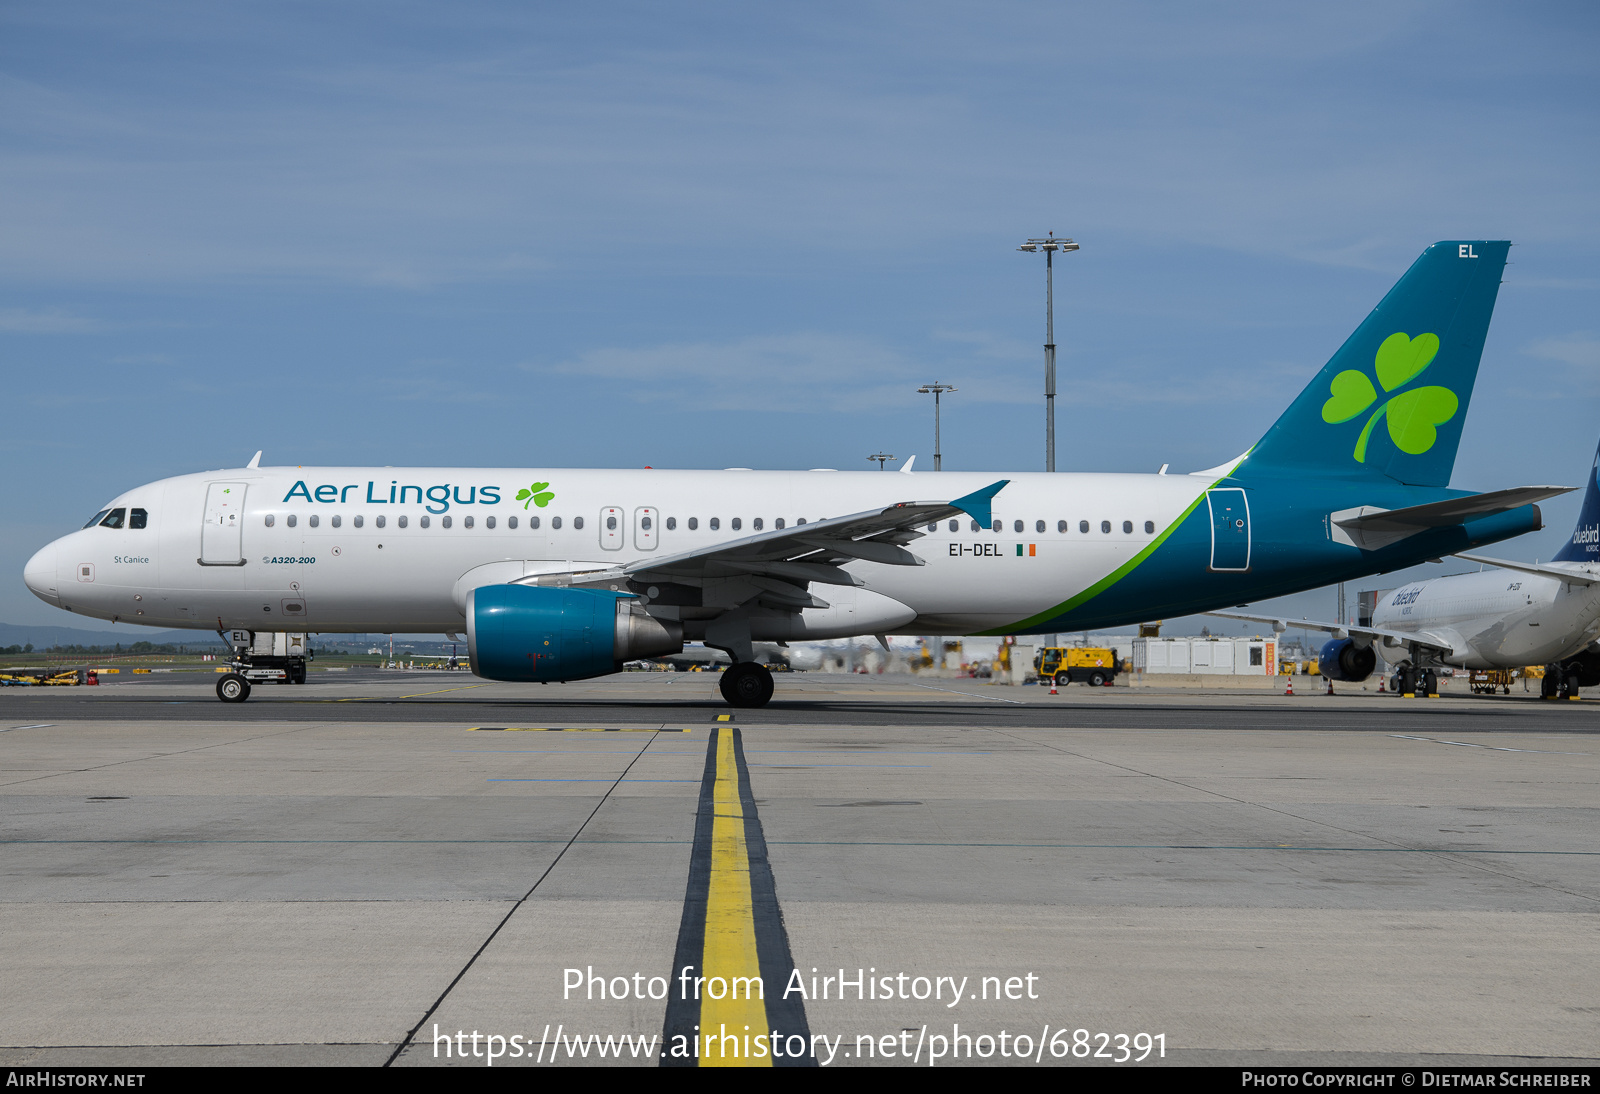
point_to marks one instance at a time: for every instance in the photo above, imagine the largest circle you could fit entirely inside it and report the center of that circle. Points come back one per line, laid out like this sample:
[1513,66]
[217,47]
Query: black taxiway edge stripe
[683,1015]
[772,938]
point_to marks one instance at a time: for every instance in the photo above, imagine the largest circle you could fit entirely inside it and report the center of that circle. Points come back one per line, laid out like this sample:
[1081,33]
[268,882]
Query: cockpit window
[96,518]
[114,518]
[137,518]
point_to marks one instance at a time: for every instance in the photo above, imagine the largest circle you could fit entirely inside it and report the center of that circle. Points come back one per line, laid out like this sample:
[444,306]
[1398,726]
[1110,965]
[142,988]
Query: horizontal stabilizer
[1371,528]
[1574,573]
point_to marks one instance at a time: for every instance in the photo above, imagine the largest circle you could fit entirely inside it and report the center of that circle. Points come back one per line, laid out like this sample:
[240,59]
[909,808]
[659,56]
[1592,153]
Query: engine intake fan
[1342,659]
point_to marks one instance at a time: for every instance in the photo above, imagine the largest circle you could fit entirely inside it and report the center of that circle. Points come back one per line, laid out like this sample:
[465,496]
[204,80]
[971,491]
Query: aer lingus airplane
[1524,613]
[564,574]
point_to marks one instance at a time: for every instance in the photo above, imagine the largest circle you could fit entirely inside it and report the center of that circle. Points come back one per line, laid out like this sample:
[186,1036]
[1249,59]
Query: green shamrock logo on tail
[536,494]
[1413,416]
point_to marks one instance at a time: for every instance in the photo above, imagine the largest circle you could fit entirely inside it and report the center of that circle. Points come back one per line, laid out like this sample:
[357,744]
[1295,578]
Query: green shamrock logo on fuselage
[1413,416]
[535,494]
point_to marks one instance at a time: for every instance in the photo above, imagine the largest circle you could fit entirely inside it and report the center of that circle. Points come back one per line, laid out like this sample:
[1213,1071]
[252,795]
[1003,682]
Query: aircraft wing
[1345,630]
[1371,528]
[1578,576]
[781,562]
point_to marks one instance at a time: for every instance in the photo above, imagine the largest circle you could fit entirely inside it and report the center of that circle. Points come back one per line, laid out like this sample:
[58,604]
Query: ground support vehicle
[1095,666]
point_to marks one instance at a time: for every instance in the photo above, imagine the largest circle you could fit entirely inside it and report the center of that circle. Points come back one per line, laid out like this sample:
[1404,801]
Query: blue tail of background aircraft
[1390,403]
[1585,543]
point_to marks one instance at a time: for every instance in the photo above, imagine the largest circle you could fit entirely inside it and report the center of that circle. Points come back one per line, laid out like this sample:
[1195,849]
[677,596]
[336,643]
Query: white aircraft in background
[567,574]
[1522,613]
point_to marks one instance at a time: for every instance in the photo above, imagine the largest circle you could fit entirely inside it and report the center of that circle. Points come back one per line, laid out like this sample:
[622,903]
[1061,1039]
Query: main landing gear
[746,684]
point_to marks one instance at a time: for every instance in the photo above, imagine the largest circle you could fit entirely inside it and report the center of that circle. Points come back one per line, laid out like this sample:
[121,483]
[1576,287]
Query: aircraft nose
[40,575]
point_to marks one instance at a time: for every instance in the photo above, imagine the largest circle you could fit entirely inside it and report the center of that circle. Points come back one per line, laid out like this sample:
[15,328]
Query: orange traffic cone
[1053,686]
[1290,689]
[1330,685]
[1380,685]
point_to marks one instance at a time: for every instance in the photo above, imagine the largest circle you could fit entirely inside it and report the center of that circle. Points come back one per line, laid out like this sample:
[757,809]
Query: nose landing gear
[233,688]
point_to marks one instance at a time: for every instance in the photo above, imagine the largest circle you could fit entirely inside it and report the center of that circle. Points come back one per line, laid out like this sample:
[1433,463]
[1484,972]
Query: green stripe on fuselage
[1115,575]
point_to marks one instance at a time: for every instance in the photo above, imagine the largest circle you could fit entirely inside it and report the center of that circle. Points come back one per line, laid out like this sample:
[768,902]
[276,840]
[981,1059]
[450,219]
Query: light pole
[882,459]
[935,389]
[1049,245]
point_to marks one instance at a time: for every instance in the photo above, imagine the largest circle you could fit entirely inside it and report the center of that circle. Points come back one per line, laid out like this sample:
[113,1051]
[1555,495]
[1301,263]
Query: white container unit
[1206,656]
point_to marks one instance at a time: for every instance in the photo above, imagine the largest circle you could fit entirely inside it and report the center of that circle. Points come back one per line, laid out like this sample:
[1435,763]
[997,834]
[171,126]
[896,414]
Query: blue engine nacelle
[1342,659]
[521,632]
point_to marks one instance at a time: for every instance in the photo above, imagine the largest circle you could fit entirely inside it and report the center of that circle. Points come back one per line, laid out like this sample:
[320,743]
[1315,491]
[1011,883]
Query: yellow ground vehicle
[1097,667]
[1485,681]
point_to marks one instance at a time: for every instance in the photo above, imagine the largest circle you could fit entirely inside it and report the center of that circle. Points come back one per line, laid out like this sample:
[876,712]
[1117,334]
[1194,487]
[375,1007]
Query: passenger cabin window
[1061,526]
[955,525]
[533,522]
[555,522]
[694,522]
[778,523]
[382,520]
[644,523]
[1083,526]
[96,518]
[672,524]
[360,520]
[1038,526]
[1149,527]
[997,526]
[114,518]
[577,522]
[738,522]
[403,521]
[337,520]
[934,527]
[1105,526]
[716,523]
[445,521]
[611,524]
[137,518]
[291,521]
[313,520]
[271,520]
[1127,527]
[425,521]
[1016,526]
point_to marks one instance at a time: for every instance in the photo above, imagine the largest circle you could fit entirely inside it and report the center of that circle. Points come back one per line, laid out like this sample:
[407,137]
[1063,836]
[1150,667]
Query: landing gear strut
[746,684]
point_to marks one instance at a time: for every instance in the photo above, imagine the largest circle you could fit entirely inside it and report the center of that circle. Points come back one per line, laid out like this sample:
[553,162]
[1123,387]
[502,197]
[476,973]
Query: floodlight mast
[1049,245]
[882,459]
[935,389]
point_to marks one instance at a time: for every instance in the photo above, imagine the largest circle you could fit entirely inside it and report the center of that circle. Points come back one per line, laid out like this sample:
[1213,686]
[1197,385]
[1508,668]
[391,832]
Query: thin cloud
[45,321]
[1580,350]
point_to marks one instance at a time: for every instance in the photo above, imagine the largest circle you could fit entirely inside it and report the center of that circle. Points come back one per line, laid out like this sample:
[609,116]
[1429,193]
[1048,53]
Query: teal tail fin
[1392,400]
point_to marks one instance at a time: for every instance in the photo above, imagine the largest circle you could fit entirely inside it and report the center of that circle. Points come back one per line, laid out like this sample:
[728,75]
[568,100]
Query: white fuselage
[386,549]
[1494,619]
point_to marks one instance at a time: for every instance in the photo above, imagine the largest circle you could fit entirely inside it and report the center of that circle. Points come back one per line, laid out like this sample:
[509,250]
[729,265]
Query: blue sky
[742,235]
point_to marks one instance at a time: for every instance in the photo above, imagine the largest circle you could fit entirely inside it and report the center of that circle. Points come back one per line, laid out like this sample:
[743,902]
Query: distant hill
[12,634]
[43,638]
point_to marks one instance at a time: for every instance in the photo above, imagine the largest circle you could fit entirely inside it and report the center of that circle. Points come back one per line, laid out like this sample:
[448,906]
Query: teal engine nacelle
[1342,659]
[521,632]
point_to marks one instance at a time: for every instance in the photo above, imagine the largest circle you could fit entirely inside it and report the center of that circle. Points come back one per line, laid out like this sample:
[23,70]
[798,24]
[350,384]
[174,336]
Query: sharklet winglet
[976,504]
